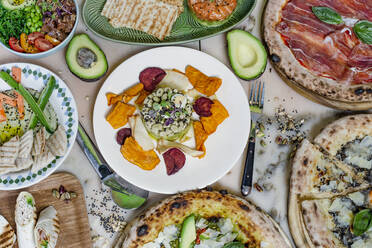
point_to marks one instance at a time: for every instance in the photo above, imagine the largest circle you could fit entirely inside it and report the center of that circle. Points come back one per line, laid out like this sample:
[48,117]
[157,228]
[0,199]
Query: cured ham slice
[327,50]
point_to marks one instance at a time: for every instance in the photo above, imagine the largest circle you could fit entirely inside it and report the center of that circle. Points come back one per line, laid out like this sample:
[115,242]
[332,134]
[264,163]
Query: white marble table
[273,156]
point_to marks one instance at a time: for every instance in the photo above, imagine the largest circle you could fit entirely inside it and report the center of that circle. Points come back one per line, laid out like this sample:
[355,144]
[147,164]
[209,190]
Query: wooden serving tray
[73,216]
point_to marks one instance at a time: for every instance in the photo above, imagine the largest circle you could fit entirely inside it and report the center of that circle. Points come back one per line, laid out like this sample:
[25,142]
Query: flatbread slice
[328,222]
[315,174]
[252,226]
[7,234]
[349,139]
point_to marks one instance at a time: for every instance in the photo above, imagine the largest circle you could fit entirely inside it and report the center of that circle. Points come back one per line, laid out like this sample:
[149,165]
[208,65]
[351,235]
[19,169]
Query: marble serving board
[271,162]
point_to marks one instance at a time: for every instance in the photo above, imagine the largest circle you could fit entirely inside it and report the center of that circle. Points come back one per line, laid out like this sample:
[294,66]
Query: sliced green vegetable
[43,100]
[362,222]
[233,245]
[28,98]
[363,30]
[30,202]
[327,15]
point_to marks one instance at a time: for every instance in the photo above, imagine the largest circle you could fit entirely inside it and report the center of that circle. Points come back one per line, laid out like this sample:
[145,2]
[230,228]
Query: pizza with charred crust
[204,219]
[330,198]
[318,45]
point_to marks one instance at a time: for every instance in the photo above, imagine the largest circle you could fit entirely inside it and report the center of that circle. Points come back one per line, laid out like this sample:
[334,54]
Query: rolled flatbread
[7,235]
[47,228]
[25,218]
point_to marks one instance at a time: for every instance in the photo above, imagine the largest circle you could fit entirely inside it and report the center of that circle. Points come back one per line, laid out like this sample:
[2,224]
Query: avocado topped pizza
[330,200]
[204,219]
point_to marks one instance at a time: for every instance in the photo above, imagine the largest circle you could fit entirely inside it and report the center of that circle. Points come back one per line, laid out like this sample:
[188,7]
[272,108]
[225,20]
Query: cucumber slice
[248,56]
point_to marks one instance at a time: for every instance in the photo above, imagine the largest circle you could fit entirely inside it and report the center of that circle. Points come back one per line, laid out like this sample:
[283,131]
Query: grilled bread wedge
[7,235]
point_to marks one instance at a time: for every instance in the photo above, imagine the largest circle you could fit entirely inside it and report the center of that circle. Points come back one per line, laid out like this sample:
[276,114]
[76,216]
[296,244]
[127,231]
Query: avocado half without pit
[248,56]
[85,59]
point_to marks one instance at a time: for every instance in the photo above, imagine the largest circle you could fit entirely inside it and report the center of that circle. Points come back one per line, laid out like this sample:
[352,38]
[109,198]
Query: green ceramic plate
[185,29]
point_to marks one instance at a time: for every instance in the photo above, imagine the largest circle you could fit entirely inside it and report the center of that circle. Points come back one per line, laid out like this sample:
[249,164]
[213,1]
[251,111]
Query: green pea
[32,14]
[38,10]
[29,23]
[32,29]
[35,19]
[39,29]
[27,8]
[40,23]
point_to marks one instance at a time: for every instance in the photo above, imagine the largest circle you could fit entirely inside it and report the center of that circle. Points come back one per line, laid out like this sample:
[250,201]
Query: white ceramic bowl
[54,49]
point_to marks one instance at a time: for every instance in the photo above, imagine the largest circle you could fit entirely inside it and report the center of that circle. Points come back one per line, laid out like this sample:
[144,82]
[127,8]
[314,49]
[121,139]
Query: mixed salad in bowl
[35,26]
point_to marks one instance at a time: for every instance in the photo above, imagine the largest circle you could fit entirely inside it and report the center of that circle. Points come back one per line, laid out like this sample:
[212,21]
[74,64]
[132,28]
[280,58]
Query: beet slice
[202,106]
[122,135]
[174,160]
[151,77]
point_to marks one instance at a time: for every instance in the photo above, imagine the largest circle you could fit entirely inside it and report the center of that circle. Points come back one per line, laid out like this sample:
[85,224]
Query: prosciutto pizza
[330,199]
[328,59]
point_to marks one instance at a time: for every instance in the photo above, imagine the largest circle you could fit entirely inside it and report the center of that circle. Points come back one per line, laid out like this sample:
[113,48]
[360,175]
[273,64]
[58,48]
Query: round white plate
[36,77]
[224,147]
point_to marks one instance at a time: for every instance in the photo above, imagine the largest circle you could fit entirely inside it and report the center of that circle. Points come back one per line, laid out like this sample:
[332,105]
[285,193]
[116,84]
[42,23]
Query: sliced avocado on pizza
[85,59]
[248,56]
[188,232]
[16,4]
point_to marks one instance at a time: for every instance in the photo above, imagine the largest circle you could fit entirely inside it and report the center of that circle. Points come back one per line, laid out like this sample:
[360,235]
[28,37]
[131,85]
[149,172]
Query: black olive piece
[142,230]
[208,188]
[275,58]
[369,91]
[359,91]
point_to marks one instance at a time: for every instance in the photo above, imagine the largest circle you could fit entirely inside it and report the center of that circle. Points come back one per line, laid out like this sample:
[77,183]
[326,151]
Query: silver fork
[256,103]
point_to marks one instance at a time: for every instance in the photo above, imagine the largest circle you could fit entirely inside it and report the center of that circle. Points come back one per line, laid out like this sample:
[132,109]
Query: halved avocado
[247,55]
[85,59]
[16,4]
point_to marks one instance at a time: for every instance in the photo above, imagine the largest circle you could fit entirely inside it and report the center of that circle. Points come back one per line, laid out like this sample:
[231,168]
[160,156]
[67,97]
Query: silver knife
[125,194]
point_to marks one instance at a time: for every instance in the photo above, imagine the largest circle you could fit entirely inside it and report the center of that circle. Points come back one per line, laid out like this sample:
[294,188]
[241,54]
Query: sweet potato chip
[219,114]
[141,97]
[126,96]
[201,82]
[118,117]
[134,153]
[200,137]
[113,98]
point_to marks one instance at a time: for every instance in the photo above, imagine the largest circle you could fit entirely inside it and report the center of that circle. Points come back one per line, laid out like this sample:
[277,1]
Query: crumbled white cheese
[357,197]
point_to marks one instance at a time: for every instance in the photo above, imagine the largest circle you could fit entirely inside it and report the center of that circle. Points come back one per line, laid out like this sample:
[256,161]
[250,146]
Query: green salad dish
[186,28]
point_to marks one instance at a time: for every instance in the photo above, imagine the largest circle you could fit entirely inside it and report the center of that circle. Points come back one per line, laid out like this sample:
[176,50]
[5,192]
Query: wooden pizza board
[73,216]
[311,95]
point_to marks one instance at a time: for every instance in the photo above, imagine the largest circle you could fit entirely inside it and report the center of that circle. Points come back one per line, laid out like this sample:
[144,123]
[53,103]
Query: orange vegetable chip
[142,96]
[219,114]
[201,82]
[118,117]
[126,96]
[200,137]
[134,153]
[113,98]
[132,92]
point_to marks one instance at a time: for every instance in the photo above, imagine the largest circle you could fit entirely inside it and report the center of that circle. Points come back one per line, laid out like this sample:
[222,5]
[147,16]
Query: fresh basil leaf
[233,245]
[363,30]
[327,15]
[362,222]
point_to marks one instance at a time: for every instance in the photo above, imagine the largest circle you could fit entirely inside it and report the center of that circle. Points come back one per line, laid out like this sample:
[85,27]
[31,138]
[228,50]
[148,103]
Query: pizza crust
[291,69]
[254,226]
[344,130]
[317,223]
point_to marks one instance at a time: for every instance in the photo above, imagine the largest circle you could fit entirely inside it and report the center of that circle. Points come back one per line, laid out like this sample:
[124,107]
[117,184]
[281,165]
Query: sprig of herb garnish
[233,245]
[12,24]
[327,15]
[363,30]
[362,222]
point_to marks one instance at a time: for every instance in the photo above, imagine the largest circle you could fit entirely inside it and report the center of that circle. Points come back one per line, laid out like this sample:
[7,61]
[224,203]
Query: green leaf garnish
[363,30]
[44,244]
[327,15]
[30,202]
[233,245]
[362,222]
